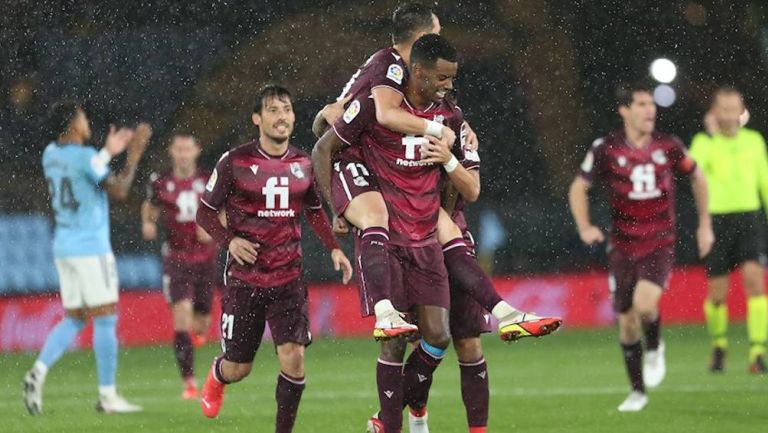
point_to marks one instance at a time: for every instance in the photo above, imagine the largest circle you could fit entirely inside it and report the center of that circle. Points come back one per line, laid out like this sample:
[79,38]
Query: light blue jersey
[81,209]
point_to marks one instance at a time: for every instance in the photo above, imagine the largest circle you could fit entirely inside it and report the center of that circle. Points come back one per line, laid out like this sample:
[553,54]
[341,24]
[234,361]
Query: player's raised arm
[391,115]
[119,184]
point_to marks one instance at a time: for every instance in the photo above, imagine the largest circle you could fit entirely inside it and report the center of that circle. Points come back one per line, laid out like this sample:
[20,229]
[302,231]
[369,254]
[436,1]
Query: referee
[735,161]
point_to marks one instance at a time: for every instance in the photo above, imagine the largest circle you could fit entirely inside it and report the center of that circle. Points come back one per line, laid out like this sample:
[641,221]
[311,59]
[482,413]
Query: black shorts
[245,310]
[739,238]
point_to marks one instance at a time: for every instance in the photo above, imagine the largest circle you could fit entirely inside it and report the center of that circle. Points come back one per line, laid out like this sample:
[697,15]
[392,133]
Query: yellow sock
[757,324]
[717,323]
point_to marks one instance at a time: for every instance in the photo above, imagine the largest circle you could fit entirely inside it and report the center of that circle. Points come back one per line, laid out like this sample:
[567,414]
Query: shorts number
[359,172]
[227,323]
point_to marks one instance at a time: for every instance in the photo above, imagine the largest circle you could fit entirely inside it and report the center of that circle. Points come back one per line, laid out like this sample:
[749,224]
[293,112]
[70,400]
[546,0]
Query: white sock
[382,307]
[107,391]
[503,309]
[41,368]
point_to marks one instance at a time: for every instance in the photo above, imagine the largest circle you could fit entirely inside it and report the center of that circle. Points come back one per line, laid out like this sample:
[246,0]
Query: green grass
[570,382]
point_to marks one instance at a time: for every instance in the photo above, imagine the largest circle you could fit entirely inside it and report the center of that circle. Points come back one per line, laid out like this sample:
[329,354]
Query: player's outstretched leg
[470,278]
[105,349]
[57,342]
[654,364]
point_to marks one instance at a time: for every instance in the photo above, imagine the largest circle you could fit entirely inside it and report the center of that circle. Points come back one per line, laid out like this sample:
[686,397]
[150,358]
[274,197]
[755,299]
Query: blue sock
[105,348]
[60,338]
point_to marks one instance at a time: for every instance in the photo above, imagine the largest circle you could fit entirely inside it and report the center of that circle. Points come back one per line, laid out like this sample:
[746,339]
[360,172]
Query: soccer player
[263,187]
[408,174]
[189,255]
[735,162]
[79,181]
[383,77]
[638,164]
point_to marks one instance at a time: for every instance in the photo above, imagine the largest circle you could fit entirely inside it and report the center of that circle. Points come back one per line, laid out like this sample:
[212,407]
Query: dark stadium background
[536,83]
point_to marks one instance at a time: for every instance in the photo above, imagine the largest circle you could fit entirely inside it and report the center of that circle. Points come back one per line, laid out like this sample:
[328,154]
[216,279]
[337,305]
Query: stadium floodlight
[663,70]
[664,95]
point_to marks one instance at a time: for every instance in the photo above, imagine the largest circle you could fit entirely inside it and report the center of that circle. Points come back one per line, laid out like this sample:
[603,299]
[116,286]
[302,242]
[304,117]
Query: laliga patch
[395,73]
[296,170]
[352,111]
[212,181]
[589,161]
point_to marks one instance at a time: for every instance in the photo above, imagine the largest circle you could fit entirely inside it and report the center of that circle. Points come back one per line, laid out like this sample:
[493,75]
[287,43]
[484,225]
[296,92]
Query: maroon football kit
[263,197]
[641,190]
[189,264]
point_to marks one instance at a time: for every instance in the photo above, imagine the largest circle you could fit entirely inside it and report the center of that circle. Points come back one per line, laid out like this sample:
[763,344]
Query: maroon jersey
[641,187]
[178,200]
[471,161]
[410,187]
[385,68]
[263,197]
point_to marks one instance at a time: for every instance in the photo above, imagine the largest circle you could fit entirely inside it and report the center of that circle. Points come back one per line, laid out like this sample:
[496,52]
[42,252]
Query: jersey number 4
[66,195]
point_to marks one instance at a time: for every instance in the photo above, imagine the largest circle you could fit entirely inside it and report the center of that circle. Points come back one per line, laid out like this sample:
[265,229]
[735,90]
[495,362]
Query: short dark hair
[267,92]
[428,48]
[408,19]
[185,134]
[60,118]
[625,93]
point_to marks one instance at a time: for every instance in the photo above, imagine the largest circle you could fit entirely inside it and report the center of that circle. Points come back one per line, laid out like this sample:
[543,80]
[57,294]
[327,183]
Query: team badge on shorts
[296,170]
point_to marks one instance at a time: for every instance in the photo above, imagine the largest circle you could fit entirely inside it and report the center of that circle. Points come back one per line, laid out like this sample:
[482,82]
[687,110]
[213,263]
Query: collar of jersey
[268,156]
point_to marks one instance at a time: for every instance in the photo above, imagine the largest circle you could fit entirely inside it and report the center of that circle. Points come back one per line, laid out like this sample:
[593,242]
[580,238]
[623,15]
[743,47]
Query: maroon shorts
[468,318]
[190,281]
[349,179]
[419,277]
[246,310]
[626,270]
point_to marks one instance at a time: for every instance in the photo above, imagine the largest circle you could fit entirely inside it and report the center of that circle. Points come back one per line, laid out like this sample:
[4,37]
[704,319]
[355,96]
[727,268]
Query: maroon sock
[288,395]
[474,392]
[633,360]
[467,275]
[185,355]
[374,264]
[217,374]
[418,377]
[652,332]
[389,380]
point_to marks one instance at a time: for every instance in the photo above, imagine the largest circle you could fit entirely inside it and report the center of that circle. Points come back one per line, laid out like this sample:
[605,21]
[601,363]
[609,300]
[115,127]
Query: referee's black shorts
[739,237]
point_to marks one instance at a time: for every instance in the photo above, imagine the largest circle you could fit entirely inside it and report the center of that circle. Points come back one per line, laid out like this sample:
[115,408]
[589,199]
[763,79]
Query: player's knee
[237,372]
[439,338]
[291,358]
[468,349]
[393,350]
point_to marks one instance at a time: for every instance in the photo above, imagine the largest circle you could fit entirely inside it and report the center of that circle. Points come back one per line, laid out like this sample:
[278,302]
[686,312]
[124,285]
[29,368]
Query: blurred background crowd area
[536,83]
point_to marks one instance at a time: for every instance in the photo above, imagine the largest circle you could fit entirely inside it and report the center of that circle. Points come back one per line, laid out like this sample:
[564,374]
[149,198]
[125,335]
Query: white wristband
[434,129]
[451,165]
[104,156]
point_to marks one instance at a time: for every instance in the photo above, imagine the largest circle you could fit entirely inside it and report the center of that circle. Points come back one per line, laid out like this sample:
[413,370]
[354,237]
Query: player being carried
[79,182]
[263,187]
[189,255]
[638,165]
[383,77]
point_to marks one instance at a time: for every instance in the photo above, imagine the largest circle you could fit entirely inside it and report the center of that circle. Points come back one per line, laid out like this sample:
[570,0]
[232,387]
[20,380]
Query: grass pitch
[570,382]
